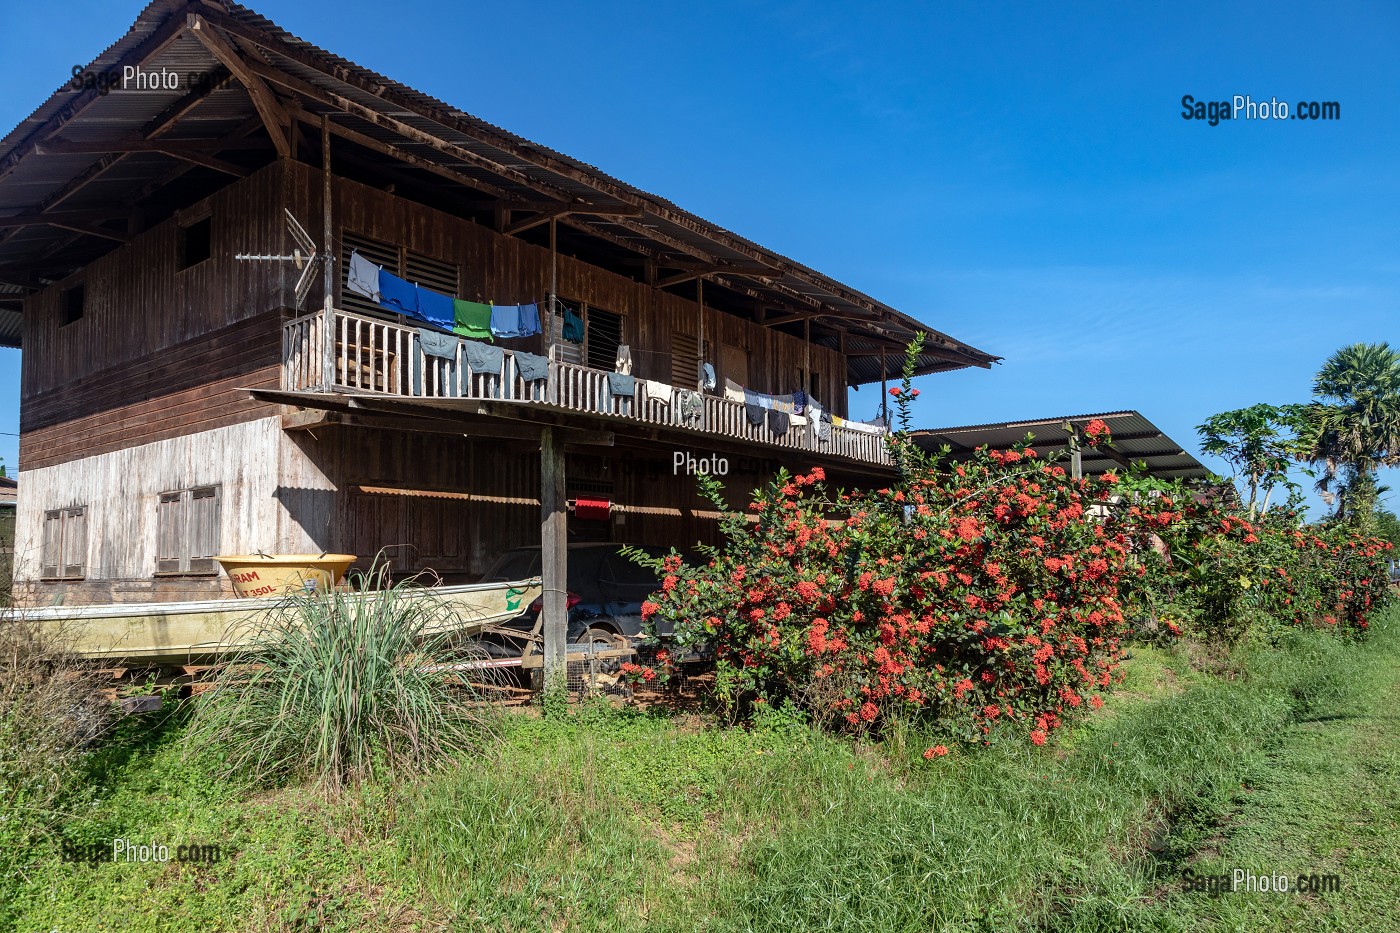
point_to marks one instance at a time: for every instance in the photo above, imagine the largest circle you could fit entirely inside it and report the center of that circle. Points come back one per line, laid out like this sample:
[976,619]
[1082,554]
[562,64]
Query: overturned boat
[204,631]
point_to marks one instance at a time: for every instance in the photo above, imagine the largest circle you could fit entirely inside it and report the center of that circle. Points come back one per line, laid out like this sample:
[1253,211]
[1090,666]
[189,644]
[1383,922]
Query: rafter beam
[274,116]
[172,115]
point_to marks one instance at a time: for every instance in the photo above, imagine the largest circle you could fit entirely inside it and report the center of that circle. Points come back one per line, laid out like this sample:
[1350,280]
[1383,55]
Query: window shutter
[53,545]
[685,360]
[74,543]
[431,273]
[203,528]
[170,532]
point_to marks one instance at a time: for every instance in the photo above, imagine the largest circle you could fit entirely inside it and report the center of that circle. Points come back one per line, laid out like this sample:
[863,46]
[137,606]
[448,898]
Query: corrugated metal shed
[1135,438]
[42,173]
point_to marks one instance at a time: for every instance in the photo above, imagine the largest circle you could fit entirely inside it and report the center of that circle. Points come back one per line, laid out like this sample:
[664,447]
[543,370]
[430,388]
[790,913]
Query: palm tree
[1353,427]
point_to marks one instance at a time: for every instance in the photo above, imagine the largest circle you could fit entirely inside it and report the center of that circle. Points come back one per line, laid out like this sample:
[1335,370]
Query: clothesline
[473,319]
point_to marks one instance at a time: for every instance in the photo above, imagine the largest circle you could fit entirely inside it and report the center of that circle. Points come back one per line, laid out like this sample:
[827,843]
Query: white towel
[624,359]
[658,391]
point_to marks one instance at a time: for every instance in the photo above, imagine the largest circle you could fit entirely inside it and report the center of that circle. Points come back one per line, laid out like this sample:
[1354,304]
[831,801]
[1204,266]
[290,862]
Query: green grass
[619,820]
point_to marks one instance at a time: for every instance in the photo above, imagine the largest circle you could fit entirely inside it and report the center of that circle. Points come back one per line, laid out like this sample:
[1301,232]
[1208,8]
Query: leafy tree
[1352,429]
[1258,442]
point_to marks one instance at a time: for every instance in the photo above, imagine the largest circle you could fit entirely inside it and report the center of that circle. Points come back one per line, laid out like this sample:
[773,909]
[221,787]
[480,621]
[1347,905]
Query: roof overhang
[73,175]
[1135,439]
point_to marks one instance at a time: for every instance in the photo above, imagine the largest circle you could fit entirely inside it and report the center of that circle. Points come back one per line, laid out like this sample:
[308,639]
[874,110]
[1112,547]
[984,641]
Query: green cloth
[472,319]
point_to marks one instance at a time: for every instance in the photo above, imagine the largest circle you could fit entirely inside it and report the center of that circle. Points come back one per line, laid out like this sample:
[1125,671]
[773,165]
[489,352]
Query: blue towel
[505,321]
[573,326]
[515,320]
[799,402]
[397,295]
[532,367]
[438,346]
[436,307]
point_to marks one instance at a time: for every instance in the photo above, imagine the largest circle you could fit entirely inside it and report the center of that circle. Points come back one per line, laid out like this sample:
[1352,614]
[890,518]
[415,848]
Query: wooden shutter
[53,545]
[74,543]
[685,360]
[602,336]
[431,273]
[203,532]
[170,532]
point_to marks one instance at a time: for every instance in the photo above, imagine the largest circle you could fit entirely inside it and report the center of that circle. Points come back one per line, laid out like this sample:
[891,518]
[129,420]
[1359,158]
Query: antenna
[305,261]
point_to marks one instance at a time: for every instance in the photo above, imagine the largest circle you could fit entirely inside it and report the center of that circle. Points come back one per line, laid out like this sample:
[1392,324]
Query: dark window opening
[195,242]
[70,305]
[602,338]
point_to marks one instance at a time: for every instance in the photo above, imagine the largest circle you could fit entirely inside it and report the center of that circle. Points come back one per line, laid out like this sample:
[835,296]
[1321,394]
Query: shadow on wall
[313,510]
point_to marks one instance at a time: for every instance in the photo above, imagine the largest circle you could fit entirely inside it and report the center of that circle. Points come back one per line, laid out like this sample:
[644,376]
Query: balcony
[362,355]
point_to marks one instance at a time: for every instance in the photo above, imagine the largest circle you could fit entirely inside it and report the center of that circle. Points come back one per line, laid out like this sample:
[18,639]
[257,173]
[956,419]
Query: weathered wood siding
[121,492]
[159,351]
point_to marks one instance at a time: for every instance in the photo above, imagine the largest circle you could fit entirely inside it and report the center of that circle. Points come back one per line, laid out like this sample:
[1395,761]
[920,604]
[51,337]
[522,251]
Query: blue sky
[1016,175]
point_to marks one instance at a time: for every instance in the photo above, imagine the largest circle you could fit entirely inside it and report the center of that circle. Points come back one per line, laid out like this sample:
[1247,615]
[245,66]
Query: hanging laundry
[624,359]
[573,326]
[707,378]
[756,414]
[515,320]
[691,407]
[531,366]
[778,422]
[732,390]
[754,398]
[622,384]
[440,347]
[362,277]
[657,391]
[471,319]
[799,402]
[436,343]
[529,319]
[436,308]
[484,358]
[814,416]
[783,403]
[397,295]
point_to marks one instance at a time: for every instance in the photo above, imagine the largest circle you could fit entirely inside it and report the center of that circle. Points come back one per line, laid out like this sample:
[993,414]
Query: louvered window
[188,530]
[685,360]
[602,336]
[414,267]
[64,554]
[566,351]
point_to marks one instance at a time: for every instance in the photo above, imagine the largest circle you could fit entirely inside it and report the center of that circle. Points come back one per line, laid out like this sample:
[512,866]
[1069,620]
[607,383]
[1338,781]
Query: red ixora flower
[938,751]
[896,391]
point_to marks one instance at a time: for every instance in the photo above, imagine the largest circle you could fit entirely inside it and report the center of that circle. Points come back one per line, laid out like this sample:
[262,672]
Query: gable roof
[84,152]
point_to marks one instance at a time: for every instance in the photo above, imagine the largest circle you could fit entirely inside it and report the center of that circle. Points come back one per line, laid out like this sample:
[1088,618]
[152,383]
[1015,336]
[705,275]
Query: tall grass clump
[51,712]
[343,686]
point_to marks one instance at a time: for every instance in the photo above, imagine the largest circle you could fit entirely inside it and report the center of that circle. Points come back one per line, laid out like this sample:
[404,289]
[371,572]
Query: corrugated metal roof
[1134,438]
[494,156]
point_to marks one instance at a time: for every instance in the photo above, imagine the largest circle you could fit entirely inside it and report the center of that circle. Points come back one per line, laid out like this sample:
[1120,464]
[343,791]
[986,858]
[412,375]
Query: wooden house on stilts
[179,402]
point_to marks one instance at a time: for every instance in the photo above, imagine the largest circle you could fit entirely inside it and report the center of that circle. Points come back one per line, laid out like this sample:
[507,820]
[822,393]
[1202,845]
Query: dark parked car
[605,595]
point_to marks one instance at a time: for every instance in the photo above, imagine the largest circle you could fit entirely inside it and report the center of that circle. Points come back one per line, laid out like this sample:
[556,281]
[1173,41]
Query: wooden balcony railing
[357,353]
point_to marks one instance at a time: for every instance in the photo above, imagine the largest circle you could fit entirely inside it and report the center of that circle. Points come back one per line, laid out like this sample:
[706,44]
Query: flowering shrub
[991,596]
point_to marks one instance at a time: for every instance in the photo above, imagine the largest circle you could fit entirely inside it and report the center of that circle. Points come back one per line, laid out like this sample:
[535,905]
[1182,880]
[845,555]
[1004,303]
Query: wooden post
[328,262]
[1076,462]
[700,303]
[554,564]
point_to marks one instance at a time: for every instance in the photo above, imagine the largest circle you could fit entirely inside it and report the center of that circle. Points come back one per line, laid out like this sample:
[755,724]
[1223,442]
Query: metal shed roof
[1135,438]
[55,173]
